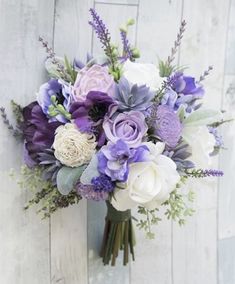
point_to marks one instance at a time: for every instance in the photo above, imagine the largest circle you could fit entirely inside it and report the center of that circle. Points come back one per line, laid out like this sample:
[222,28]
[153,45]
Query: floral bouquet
[118,131]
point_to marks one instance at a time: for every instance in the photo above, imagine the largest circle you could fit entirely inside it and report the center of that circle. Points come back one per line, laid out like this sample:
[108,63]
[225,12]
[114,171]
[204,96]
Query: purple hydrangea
[114,159]
[166,125]
[184,90]
[63,95]
[89,114]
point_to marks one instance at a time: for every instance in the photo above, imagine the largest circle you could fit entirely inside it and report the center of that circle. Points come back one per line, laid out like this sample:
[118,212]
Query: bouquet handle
[118,235]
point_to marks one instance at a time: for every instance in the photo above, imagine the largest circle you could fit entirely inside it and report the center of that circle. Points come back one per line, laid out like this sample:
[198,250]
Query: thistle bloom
[166,125]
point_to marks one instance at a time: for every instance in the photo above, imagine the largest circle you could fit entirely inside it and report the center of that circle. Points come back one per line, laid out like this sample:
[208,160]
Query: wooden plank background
[64,248]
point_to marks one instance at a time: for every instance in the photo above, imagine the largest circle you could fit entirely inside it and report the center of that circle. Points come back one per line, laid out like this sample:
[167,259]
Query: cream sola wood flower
[73,148]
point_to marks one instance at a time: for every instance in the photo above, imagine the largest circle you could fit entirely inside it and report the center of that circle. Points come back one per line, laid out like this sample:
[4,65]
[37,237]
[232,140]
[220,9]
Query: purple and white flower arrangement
[124,132]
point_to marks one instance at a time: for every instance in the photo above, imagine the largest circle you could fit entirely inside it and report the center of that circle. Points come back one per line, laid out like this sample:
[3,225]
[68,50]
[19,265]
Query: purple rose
[114,159]
[128,126]
[96,78]
[168,127]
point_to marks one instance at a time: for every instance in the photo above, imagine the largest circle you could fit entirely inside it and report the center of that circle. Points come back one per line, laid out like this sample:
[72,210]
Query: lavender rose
[130,127]
[95,78]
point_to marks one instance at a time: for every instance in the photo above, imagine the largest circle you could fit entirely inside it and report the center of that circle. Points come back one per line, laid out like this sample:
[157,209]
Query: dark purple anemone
[38,132]
[89,114]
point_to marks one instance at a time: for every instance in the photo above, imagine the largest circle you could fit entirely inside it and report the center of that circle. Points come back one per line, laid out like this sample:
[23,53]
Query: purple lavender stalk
[127,53]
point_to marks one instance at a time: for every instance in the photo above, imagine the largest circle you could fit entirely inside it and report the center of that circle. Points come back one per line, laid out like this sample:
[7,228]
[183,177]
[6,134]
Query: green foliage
[18,112]
[166,69]
[70,70]
[178,206]
[150,220]
[55,108]
[46,195]
[67,177]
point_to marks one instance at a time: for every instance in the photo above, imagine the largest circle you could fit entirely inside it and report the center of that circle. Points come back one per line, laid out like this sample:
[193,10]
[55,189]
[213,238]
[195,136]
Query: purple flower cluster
[114,159]
[89,192]
[183,90]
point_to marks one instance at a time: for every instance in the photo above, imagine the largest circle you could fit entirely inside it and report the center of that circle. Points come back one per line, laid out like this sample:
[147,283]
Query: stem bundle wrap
[118,235]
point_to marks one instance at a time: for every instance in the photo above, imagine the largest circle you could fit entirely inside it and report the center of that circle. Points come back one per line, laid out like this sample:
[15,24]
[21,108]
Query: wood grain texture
[195,245]
[153,257]
[65,249]
[24,252]
[72,36]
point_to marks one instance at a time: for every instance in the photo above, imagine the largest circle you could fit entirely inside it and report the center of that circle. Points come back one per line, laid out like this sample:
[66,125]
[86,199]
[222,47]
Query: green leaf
[90,171]
[67,178]
[202,117]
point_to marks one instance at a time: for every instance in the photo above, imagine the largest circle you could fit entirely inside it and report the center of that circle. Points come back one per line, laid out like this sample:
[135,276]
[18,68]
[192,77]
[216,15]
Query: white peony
[149,183]
[202,143]
[142,74]
[73,148]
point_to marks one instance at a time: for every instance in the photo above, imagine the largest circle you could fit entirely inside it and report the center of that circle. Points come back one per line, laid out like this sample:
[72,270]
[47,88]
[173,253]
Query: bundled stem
[118,235]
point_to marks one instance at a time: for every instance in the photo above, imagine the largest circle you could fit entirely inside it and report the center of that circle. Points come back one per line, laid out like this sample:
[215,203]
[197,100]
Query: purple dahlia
[38,132]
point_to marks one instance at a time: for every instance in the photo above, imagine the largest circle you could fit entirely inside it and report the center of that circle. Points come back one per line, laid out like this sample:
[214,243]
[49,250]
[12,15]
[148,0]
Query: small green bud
[52,111]
[135,53]
[130,22]
[123,29]
[61,109]
[53,99]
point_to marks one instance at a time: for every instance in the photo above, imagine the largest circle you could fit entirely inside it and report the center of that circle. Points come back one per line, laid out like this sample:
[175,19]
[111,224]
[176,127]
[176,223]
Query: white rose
[149,183]
[202,143]
[73,148]
[142,74]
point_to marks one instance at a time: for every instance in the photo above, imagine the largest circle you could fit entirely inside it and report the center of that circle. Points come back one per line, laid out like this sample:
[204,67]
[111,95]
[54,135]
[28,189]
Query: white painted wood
[24,251]
[118,2]
[153,257]
[72,36]
[33,251]
[195,245]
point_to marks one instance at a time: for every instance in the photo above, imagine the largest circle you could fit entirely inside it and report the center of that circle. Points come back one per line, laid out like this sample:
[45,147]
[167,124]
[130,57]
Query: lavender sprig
[168,83]
[176,43]
[127,53]
[205,74]
[104,36]
[51,55]
[199,173]
[15,132]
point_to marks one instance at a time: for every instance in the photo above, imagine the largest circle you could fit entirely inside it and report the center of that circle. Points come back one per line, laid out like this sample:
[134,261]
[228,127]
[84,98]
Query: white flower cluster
[73,148]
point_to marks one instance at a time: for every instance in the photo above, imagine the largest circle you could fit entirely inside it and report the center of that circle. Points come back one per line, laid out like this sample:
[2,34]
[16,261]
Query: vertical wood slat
[226,198]
[72,36]
[195,245]
[24,238]
[158,25]
[114,16]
